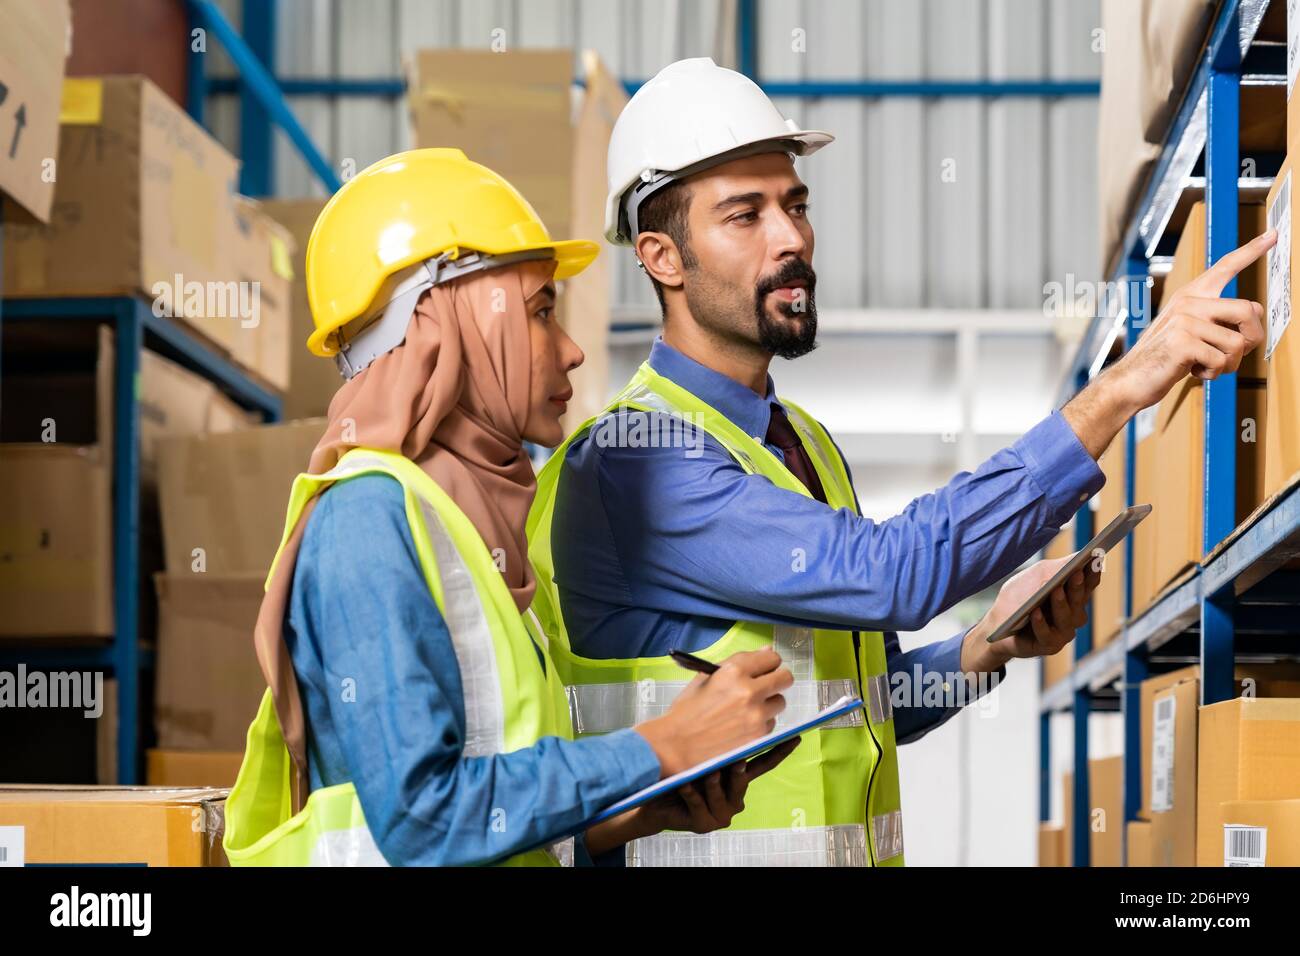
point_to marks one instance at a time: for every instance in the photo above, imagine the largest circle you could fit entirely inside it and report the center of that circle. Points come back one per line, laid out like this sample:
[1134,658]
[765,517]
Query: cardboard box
[1168,721]
[192,768]
[209,684]
[1108,599]
[1248,749]
[518,114]
[1282,346]
[1051,844]
[56,572]
[1106,817]
[123,826]
[312,379]
[264,256]
[1179,456]
[1146,490]
[33,49]
[144,205]
[1139,844]
[1272,836]
[227,495]
[1067,818]
[1189,262]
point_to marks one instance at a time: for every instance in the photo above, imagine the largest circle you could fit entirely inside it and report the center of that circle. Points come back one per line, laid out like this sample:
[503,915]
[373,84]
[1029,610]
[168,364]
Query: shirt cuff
[1060,465]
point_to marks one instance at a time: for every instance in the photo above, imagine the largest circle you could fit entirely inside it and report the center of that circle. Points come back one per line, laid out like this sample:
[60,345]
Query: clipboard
[845,705]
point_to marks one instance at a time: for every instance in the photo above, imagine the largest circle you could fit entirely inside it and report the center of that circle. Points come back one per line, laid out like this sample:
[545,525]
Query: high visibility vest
[511,698]
[835,800]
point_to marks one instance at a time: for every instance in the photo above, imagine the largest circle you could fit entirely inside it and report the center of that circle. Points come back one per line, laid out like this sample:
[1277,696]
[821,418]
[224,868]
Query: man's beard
[785,338]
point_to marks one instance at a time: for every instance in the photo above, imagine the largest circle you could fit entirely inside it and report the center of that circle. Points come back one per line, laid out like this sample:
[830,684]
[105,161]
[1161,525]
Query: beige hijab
[454,399]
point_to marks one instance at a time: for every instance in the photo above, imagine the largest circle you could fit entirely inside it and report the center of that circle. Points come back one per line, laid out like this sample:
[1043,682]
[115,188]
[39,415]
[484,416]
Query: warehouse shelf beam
[395,87]
[258,82]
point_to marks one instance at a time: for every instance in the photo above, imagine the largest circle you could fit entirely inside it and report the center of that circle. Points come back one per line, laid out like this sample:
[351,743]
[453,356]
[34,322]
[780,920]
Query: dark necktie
[782,434]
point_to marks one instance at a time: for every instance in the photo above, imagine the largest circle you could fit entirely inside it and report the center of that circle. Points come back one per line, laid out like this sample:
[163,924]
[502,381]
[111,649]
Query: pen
[693,663]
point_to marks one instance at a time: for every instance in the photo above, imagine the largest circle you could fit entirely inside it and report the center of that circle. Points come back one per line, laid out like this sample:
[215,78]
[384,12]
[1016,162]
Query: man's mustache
[793,270]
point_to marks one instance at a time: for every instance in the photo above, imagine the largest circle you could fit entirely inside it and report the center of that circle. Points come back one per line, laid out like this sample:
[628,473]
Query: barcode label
[1243,845]
[1162,755]
[1279,267]
[12,844]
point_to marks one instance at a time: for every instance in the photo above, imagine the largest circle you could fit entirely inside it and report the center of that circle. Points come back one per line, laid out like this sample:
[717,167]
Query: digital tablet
[1107,538]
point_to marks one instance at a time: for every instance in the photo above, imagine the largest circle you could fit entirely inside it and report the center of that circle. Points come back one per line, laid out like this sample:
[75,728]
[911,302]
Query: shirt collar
[737,402]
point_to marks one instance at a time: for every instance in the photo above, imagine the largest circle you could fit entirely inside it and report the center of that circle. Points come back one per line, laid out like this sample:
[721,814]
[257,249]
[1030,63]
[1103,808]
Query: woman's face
[554,356]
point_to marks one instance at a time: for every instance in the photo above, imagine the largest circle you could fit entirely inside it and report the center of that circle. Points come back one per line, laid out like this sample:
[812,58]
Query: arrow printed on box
[20,120]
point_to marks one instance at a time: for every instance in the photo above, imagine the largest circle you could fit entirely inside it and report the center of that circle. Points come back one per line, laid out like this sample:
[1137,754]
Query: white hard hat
[692,115]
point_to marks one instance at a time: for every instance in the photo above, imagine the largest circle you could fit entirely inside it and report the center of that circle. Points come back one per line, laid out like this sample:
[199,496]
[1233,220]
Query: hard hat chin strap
[380,334]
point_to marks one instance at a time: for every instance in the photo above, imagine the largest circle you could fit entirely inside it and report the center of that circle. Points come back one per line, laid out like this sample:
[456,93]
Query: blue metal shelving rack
[136,327]
[1237,600]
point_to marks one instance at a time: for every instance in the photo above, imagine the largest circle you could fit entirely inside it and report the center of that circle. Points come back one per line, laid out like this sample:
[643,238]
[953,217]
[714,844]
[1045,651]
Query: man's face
[752,244]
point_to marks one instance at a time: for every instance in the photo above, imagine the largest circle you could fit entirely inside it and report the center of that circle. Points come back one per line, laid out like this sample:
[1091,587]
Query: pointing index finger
[1210,283]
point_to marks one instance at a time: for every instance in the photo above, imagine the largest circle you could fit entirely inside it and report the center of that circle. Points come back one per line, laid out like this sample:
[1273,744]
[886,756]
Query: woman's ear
[660,258]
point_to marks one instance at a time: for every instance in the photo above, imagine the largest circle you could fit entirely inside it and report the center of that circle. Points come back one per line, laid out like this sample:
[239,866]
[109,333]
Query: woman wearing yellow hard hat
[413,713]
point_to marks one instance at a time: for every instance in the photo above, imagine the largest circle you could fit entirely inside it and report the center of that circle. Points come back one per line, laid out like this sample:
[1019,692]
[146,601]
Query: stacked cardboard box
[1282,347]
[1138,852]
[1106,811]
[56,579]
[33,50]
[145,205]
[1261,833]
[223,503]
[1169,731]
[1051,844]
[522,123]
[1248,749]
[122,826]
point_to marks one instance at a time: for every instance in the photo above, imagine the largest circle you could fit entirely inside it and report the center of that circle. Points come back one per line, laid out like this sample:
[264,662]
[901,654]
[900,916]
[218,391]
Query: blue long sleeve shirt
[385,709]
[658,547]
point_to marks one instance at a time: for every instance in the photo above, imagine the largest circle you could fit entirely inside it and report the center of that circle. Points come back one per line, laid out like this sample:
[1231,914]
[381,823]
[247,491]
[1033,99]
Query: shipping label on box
[1292,44]
[1243,845]
[12,841]
[1279,266]
[1162,755]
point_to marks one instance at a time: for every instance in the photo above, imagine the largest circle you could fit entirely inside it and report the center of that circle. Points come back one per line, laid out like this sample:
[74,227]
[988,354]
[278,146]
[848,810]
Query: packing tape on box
[82,103]
[281,263]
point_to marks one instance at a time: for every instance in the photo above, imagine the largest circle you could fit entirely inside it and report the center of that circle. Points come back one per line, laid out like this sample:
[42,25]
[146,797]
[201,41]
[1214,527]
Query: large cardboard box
[1282,346]
[1168,720]
[192,768]
[1051,844]
[1139,844]
[1179,457]
[33,47]
[1106,814]
[223,497]
[209,683]
[517,113]
[312,380]
[56,572]
[1108,598]
[1189,262]
[1248,749]
[1260,833]
[264,258]
[122,826]
[144,204]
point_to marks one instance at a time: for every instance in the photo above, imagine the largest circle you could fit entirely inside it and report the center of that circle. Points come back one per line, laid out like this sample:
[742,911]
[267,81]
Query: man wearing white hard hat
[701,512]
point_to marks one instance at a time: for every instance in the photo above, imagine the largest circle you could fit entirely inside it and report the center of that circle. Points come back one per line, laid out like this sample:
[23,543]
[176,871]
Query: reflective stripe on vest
[835,800]
[331,829]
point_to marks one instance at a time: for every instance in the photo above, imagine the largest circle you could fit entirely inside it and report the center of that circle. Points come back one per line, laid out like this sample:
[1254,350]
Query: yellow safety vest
[835,800]
[510,703]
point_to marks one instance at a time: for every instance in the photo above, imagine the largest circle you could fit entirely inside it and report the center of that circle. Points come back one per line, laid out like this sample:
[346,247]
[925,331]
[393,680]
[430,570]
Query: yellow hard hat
[409,208]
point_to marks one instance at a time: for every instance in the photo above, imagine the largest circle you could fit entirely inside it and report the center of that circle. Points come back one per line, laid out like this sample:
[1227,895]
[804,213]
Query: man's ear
[660,258]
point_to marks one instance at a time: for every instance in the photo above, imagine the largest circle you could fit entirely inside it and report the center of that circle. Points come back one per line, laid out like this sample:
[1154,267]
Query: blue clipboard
[844,705]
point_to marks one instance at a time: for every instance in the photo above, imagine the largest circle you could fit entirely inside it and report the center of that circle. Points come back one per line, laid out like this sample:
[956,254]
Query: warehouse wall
[918,205]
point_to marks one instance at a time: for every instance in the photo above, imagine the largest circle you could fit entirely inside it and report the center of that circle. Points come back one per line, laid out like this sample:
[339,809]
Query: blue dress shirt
[380,684]
[656,548]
